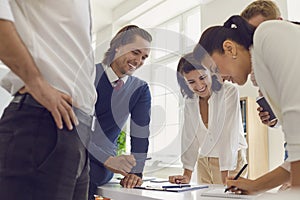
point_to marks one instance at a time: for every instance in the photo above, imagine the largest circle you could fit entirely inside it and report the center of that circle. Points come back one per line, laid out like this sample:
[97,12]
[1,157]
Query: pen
[237,176]
[149,187]
[175,186]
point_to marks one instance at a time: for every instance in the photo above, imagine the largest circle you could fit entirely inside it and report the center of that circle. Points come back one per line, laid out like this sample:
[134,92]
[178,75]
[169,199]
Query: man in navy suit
[121,95]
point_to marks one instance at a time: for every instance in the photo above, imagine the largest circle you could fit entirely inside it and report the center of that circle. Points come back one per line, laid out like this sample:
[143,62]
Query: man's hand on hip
[57,103]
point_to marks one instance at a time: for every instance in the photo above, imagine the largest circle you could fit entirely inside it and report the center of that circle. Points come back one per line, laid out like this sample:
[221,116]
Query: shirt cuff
[138,174]
[140,162]
[276,125]
[5,11]
[286,165]
[188,167]
[293,152]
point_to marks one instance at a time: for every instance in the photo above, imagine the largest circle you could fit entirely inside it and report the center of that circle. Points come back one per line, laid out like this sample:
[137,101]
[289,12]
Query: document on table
[219,192]
[117,179]
[160,180]
[170,187]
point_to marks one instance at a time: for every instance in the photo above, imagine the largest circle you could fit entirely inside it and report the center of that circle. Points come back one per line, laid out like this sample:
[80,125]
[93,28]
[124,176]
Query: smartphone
[262,102]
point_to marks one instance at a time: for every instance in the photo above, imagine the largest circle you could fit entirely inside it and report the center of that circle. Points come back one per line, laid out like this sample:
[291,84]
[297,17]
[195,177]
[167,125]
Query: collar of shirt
[112,76]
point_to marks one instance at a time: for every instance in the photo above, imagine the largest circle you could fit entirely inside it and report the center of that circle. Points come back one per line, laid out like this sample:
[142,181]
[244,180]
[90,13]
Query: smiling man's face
[130,57]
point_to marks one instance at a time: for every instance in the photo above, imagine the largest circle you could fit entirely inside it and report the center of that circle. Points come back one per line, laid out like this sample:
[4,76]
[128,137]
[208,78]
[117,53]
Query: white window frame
[172,154]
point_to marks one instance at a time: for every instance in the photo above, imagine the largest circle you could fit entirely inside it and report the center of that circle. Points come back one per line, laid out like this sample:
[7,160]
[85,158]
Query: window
[192,28]
[172,39]
[167,38]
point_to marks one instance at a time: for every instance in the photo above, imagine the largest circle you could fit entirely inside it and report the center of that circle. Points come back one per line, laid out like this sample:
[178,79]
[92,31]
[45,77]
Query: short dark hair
[124,36]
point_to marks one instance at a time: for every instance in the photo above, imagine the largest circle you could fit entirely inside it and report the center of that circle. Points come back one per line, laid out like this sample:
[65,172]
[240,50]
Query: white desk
[116,192]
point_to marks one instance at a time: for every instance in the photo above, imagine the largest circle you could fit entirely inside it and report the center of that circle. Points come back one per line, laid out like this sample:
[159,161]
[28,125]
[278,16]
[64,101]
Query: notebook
[219,192]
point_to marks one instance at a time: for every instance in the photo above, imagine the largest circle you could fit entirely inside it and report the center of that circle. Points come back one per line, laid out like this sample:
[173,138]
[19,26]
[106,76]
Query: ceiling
[105,12]
[102,12]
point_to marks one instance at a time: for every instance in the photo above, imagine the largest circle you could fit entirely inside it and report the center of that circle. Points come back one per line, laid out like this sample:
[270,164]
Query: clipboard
[171,187]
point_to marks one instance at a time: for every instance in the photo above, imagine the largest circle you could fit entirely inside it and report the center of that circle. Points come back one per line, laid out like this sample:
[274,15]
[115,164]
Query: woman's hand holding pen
[241,185]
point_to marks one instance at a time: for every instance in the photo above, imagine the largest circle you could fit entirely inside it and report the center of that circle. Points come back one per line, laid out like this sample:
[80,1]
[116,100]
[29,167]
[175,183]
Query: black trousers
[39,161]
[99,175]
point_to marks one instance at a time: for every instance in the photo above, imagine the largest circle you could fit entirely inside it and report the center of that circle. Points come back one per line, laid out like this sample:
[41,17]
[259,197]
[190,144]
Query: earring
[234,56]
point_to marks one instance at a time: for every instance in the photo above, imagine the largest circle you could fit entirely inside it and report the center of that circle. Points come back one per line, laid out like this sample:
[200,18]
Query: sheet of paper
[219,192]
[160,180]
[170,187]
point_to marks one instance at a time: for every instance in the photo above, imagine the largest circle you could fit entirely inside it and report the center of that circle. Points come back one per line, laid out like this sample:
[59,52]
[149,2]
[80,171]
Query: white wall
[293,7]
[218,11]
[103,38]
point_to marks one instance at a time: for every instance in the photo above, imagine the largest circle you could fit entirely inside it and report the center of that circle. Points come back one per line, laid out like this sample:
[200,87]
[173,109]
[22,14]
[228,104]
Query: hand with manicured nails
[120,164]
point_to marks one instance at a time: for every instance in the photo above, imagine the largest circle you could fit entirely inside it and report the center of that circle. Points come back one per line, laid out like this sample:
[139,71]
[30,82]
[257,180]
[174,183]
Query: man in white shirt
[47,46]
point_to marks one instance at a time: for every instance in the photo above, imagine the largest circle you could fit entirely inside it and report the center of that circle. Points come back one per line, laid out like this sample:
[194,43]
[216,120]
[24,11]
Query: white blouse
[276,65]
[224,136]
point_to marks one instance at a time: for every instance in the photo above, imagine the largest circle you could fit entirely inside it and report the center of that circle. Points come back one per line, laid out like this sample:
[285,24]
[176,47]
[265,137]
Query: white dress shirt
[276,65]
[61,47]
[112,76]
[224,136]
